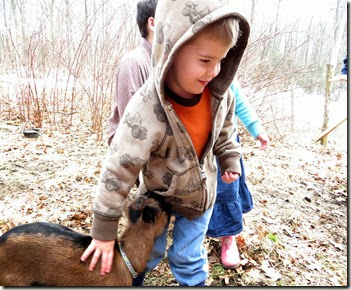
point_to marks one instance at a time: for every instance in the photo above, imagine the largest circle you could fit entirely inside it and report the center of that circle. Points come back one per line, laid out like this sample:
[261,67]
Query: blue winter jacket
[344,69]
[245,112]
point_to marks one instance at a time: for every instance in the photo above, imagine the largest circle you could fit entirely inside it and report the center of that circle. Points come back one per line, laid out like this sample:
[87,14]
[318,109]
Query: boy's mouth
[204,83]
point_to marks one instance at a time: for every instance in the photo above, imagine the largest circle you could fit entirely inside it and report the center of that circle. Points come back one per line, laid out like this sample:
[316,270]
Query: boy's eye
[204,60]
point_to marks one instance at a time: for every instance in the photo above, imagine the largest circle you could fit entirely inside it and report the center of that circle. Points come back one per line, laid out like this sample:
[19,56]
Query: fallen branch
[328,130]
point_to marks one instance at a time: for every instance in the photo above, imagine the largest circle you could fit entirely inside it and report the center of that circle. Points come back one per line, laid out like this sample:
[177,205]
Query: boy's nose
[214,71]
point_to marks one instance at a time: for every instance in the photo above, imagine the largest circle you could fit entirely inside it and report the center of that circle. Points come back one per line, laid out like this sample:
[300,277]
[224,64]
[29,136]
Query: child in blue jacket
[235,199]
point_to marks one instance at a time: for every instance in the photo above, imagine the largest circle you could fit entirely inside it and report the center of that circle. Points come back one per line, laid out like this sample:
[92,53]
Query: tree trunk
[252,17]
[339,31]
[330,70]
[308,41]
[4,7]
[292,112]
[324,140]
[276,29]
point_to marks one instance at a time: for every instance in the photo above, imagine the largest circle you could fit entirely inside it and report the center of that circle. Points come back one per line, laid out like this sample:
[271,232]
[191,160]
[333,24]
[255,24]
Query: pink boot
[229,252]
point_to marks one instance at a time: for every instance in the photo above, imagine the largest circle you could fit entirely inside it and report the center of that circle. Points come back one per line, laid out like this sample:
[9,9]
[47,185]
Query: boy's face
[195,64]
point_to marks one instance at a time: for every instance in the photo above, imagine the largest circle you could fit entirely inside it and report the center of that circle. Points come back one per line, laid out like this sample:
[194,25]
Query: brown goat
[45,254]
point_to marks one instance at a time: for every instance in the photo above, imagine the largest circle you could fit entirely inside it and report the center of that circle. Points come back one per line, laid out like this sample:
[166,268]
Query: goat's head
[148,210]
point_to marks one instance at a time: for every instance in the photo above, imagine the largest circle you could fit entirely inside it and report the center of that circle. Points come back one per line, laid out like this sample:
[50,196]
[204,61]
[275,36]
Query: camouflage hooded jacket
[151,138]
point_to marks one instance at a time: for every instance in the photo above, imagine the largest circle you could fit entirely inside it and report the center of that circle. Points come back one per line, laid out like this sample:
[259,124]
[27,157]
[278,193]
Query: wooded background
[57,73]
[58,58]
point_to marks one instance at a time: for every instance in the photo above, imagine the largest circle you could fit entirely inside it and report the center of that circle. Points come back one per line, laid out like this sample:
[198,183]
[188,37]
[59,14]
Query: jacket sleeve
[245,112]
[129,151]
[226,148]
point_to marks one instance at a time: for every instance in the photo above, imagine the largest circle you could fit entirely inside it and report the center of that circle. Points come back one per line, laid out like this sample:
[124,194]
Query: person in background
[344,69]
[170,131]
[343,75]
[235,199]
[135,67]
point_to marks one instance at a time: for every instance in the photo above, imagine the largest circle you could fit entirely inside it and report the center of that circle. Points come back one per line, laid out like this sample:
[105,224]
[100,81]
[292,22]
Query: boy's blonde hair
[226,29]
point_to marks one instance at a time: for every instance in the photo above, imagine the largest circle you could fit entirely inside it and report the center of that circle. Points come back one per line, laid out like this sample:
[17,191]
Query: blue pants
[187,256]
[232,201]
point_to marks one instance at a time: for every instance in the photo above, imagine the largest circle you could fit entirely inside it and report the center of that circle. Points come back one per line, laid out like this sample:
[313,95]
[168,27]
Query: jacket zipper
[207,149]
[201,173]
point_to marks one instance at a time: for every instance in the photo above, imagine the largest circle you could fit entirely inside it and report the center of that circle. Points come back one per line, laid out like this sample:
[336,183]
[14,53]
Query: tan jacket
[152,139]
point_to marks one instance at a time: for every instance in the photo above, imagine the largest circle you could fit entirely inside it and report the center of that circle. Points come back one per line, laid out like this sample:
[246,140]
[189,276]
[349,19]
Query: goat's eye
[149,214]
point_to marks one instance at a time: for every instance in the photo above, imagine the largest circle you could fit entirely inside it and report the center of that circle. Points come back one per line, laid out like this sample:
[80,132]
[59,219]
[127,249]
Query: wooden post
[324,139]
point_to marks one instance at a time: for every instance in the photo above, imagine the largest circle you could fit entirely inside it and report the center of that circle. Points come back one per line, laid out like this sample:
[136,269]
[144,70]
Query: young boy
[171,130]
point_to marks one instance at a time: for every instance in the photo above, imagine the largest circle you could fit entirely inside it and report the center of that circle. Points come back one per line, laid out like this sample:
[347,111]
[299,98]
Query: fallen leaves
[240,242]
[41,178]
[294,236]
[269,271]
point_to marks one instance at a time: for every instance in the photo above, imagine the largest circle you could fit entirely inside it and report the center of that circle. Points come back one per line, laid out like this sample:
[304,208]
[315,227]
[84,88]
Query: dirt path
[295,235]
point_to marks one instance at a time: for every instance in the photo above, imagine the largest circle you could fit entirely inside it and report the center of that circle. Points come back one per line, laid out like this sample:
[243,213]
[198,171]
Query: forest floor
[296,235]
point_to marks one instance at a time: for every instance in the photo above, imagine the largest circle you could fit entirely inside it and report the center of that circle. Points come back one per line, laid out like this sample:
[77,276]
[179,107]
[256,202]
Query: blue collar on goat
[128,263]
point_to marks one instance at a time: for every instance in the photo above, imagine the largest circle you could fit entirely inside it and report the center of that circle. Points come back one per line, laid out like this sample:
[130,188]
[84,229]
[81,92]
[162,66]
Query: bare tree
[252,17]
[335,52]
[64,58]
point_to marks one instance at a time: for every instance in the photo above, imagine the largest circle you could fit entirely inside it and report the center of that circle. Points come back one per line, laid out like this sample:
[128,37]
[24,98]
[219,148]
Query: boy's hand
[264,140]
[229,177]
[105,249]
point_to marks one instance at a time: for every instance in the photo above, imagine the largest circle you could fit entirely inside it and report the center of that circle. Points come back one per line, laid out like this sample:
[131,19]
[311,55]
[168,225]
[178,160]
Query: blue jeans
[187,256]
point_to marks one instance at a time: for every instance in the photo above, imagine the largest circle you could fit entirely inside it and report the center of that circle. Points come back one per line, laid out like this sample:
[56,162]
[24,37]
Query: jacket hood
[177,21]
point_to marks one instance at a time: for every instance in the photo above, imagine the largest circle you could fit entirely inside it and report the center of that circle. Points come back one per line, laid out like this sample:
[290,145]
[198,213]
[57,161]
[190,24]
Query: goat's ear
[134,215]
[149,214]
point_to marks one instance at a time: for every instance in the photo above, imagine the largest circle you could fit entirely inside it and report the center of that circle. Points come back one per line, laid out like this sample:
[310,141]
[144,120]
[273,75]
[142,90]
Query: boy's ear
[151,23]
[149,214]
